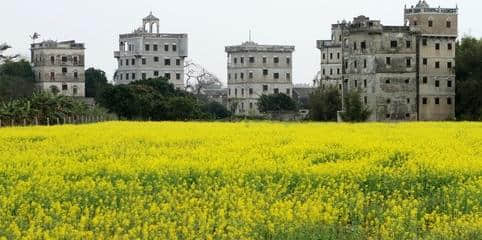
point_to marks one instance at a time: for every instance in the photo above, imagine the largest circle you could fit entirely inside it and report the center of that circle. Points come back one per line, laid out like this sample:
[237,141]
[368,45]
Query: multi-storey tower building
[146,53]
[59,67]
[437,32]
[331,58]
[379,61]
[402,72]
[255,70]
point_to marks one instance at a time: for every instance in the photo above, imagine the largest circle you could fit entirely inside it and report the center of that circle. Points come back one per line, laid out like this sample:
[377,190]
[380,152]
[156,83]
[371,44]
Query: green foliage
[95,82]
[278,102]
[16,80]
[43,105]
[354,110]
[324,104]
[154,99]
[215,110]
[469,79]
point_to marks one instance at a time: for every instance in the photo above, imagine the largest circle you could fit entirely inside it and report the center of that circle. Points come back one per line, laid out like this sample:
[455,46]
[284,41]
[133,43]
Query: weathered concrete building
[437,31]
[146,53]
[255,70]
[59,67]
[402,72]
[331,59]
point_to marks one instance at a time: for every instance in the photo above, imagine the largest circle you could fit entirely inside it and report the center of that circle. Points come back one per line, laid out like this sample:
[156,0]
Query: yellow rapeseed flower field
[247,180]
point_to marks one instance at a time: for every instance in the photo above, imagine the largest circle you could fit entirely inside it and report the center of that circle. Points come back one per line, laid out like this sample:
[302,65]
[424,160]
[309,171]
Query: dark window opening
[393,44]
[143,61]
[424,42]
[425,80]
[167,62]
[449,101]
[363,45]
[265,88]
[409,62]
[424,100]
[437,101]
[430,23]
[409,44]
[437,64]
[276,60]
[265,72]
[425,61]
[389,61]
[276,75]
[437,83]
[437,46]
[64,70]
[251,59]
[449,84]
[147,47]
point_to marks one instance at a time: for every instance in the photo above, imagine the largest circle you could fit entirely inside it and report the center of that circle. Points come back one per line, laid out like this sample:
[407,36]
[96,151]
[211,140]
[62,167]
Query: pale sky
[211,25]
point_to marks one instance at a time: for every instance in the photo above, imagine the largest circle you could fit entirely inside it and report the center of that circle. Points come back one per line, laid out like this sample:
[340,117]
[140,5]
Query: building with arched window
[59,67]
[147,53]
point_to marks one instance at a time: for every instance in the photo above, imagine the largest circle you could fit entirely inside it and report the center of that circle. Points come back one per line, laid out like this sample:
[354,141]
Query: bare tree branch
[199,78]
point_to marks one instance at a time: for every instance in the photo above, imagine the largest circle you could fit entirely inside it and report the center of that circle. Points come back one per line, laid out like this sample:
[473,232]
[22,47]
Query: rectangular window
[127,76]
[389,61]
[250,75]
[167,62]
[424,42]
[76,75]
[449,24]
[449,46]
[133,62]
[288,91]
[449,65]
[241,60]
[424,100]
[235,60]
[449,83]
[242,92]
[265,60]
[365,100]
[178,62]
[288,76]
[166,47]
[407,81]
[338,55]
[331,56]
[338,71]
[127,62]
[276,75]
[133,76]
[65,87]
[276,91]
[241,75]
[425,80]
[251,59]
[229,76]
[363,45]
[265,72]
[409,44]
[288,61]
[52,60]
[437,83]
[408,100]
[276,60]
[155,47]
[354,46]
[52,76]
[250,91]
[156,59]
[430,23]
[393,44]
[324,56]
[437,101]
[64,59]
[156,73]
[409,62]
[174,47]
[178,76]
[144,75]
[147,47]
[356,83]
[437,46]
[449,101]
[64,70]
[425,61]
[265,88]
[143,61]
[331,71]
[167,76]
[365,83]
[437,64]
[387,81]
[324,71]
[356,64]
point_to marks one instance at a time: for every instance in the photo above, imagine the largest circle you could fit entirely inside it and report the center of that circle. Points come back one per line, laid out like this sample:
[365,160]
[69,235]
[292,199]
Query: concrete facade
[255,70]
[331,73]
[404,73]
[146,53]
[59,67]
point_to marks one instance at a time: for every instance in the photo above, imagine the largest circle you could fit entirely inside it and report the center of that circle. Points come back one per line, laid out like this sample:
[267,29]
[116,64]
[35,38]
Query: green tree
[469,79]
[16,80]
[324,104]
[95,82]
[354,110]
[278,102]
[215,110]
